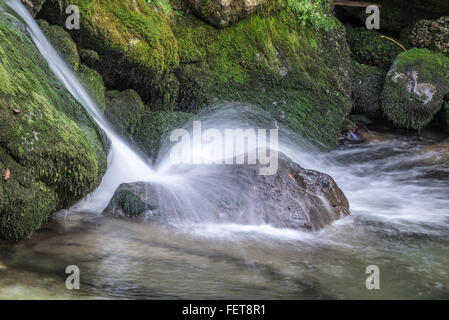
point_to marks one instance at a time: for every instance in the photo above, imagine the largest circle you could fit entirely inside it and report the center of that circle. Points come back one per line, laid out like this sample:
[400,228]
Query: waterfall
[124,163]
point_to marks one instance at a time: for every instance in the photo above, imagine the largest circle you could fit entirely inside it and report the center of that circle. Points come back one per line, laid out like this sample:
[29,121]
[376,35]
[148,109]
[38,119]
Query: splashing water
[399,196]
[124,163]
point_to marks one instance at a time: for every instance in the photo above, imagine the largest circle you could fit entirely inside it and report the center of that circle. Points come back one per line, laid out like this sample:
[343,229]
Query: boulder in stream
[415,87]
[132,200]
[293,197]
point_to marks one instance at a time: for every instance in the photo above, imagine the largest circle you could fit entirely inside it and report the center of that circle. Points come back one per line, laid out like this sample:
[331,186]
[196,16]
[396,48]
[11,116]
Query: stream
[396,185]
[399,222]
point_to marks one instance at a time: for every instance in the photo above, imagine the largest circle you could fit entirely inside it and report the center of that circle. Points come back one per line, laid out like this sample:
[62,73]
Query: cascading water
[124,163]
[397,187]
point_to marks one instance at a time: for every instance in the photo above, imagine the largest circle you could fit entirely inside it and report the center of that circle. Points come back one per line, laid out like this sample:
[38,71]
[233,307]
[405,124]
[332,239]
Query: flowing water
[397,188]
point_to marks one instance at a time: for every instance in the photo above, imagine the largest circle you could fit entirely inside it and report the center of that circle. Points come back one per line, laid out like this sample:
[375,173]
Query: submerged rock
[222,12]
[133,200]
[293,197]
[415,87]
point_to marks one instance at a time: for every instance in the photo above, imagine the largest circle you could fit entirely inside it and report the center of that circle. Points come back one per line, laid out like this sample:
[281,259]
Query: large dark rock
[293,197]
[132,200]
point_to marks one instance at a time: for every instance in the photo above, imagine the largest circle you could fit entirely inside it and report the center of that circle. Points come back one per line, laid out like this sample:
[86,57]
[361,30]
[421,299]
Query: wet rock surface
[133,200]
[293,197]
[415,87]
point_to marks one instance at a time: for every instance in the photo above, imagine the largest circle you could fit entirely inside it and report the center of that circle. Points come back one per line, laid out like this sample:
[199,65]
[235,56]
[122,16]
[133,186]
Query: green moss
[164,5]
[127,201]
[297,73]
[63,43]
[93,82]
[401,104]
[368,47]
[367,87]
[154,128]
[432,66]
[53,161]
[124,111]
[317,13]
[133,36]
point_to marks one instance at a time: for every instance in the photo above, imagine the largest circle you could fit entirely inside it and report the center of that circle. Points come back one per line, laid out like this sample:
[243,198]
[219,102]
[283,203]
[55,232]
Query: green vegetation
[401,104]
[63,42]
[52,149]
[299,74]
[367,87]
[317,13]
[367,47]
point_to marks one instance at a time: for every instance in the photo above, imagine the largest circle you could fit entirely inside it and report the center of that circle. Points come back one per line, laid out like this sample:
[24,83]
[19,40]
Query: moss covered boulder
[124,111]
[369,47]
[52,149]
[297,69]
[290,57]
[133,38]
[138,124]
[63,43]
[367,86]
[94,84]
[133,200]
[415,87]
[222,12]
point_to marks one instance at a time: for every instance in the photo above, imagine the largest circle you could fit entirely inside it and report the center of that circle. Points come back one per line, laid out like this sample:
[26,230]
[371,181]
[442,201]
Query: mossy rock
[132,120]
[124,111]
[52,148]
[368,47]
[155,128]
[367,86]
[415,87]
[89,57]
[297,72]
[94,84]
[290,57]
[132,36]
[63,43]
[133,200]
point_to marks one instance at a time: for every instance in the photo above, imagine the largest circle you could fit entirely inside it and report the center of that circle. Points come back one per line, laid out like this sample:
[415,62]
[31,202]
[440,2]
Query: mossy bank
[52,149]
[289,57]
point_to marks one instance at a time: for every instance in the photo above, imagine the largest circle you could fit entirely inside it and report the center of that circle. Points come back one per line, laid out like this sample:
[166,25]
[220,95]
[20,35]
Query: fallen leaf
[291,177]
[6,174]
[16,111]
